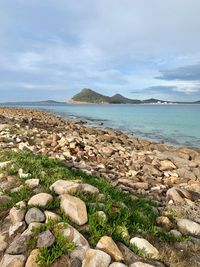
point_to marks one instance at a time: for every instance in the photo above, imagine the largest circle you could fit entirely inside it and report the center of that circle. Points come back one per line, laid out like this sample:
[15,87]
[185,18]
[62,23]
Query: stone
[4,164]
[63,261]
[102,215]
[87,188]
[65,186]
[74,208]
[51,215]
[176,233]
[172,194]
[166,165]
[31,261]
[107,244]
[164,221]
[96,258]
[18,246]
[149,249]
[4,199]
[41,200]
[13,261]
[140,264]
[32,183]
[34,215]
[75,262]
[189,227]
[81,243]
[129,255]
[117,264]
[22,174]
[17,228]
[17,213]
[45,239]
[3,243]
[29,230]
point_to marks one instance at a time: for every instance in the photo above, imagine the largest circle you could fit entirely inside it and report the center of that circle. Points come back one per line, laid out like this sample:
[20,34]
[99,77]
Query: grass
[135,216]
[62,245]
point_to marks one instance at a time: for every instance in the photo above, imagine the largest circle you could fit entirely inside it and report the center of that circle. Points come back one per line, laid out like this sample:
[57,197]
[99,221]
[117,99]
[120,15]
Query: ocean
[177,125]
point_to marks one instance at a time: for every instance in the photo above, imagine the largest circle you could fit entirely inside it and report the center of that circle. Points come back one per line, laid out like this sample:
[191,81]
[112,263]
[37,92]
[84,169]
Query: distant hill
[88,96]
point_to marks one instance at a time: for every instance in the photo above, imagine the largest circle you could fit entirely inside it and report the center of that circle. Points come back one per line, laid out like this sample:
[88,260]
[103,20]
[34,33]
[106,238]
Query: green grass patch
[134,215]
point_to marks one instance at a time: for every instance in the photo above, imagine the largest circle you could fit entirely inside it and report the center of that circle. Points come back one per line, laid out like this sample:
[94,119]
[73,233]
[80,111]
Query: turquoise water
[174,124]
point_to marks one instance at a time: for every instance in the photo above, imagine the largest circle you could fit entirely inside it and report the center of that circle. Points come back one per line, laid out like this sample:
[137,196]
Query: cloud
[108,45]
[185,73]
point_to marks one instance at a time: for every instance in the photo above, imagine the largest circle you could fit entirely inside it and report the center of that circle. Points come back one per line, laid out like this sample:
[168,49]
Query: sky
[51,49]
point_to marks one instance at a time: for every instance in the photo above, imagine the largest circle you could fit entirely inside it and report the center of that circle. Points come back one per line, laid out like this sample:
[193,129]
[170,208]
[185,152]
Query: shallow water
[174,124]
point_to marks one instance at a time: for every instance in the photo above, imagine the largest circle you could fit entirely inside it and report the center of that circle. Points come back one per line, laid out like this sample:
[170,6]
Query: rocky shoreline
[168,175]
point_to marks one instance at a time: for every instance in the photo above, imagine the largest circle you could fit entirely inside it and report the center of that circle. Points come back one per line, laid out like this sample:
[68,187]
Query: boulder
[64,187]
[18,246]
[34,215]
[13,261]
[173,194]
[4,164]
[45,239]
[129,255]
[74,208]
[41,200]
[50,215]
[81,243]
[149,249]
[87,188]
[17,228]
[17,213]
[31,261]
[166,165]
[107,244]
[32,183]
[29,230]
[63,261]
[96,258]
[189,227]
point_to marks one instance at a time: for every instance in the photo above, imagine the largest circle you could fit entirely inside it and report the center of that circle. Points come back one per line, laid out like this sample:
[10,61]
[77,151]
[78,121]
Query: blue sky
[51,49]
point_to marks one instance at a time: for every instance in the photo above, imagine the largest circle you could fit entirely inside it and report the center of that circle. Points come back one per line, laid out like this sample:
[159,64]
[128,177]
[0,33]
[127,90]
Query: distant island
[88,96]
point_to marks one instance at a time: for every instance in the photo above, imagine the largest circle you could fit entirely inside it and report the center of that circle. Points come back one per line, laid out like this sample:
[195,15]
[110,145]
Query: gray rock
[18,246]
[45,239]
[129,255]
[34,215]
[75,262]
[186,226]
[149,249]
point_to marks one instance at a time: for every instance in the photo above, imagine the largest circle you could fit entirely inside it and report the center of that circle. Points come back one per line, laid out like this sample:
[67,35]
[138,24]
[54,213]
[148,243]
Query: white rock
[13,261]
[102,215]
[81,243]
[17,213]
[41,199]
[4,164]
[16,228]
[64,187]
[142,243]
[96,258]
[117,264]
[186,226]
[28,231]
[75,208]
[87,188]
[32,183]
[50,215]
[22,174]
